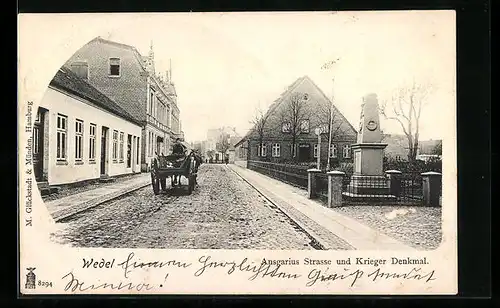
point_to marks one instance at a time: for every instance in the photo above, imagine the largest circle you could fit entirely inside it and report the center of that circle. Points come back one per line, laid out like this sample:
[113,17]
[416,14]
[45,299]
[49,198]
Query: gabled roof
[287,92]
[67,80]
[275,104]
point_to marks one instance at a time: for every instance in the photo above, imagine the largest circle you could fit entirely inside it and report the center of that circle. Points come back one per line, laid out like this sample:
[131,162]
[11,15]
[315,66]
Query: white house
[80,134]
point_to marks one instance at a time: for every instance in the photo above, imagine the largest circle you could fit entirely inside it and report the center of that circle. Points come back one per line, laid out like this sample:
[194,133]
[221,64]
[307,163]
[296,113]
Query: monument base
[368,189]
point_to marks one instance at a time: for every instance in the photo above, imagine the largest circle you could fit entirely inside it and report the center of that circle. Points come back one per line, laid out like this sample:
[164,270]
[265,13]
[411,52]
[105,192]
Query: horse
[198,161]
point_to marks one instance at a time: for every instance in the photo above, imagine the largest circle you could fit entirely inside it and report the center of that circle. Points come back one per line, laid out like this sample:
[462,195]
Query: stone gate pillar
[335,188]
[312,183]
[431,182]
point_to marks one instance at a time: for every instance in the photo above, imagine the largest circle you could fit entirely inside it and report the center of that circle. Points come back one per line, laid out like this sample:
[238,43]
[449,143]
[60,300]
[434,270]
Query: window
[333,150]
[262,150]
[121,147]
[347,151]
[62,132]
[276,151]
[304,126]
[286,127]
[78,140]
[81,69]
[115,145]
[315,151]
[168,116]
[114,66]
[324,128]
[151,101]
[92,129]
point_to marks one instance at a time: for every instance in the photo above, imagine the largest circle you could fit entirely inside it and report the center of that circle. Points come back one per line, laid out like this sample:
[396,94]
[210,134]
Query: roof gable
[291,89]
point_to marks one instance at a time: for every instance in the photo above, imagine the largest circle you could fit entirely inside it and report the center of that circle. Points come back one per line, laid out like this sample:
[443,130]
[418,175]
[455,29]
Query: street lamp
[317,131]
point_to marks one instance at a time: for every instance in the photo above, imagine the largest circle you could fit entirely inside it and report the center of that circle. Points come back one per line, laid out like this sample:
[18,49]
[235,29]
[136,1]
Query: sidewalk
[324,224]
[70,205]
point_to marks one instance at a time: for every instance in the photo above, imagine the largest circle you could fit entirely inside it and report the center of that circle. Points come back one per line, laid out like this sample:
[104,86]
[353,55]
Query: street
[224,212]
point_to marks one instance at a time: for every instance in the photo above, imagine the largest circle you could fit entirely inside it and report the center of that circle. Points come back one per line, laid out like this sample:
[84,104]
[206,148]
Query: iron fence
[403,189]
[411,189]
[292,174]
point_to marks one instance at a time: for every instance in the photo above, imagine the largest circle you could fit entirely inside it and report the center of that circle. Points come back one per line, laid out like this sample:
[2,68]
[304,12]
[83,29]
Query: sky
[224,65]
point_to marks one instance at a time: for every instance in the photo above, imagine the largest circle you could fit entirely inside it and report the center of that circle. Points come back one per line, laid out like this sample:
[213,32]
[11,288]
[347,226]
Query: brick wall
[130,89]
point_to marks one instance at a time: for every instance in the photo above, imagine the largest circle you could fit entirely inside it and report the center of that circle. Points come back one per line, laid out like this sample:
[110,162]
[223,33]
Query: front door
[129,151]
[304,152]
[38,145]
[104,138]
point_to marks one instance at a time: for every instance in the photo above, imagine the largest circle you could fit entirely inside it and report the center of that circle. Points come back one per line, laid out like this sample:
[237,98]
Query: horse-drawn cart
[173,166]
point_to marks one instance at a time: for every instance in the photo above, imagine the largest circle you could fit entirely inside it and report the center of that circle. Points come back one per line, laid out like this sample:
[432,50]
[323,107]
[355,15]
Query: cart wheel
[163,184]
[156,184]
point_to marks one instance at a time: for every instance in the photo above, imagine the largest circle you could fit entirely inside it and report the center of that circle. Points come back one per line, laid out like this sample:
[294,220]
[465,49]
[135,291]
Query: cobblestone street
[223,212]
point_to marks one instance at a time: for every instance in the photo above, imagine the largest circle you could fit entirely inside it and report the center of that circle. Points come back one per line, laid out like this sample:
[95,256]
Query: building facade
[80,134]
[123,74]
[277,140]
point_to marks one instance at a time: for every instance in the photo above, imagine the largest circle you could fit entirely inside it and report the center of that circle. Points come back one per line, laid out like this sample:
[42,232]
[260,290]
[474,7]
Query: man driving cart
[178,148]
[179,151]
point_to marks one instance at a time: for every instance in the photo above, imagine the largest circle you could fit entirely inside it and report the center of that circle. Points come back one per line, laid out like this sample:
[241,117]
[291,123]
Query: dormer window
[114,67]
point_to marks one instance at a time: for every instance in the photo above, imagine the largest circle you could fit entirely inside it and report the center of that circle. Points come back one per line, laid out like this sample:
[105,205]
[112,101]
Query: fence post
[312,183]
[431,188]
[394,179]
[335,188]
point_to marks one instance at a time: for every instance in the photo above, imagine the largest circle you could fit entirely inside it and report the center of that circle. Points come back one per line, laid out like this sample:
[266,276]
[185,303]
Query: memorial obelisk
[368,181]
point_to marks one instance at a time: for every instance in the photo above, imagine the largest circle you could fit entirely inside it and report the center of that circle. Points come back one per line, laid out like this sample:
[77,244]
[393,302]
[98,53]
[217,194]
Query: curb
[325,244]
[67,212]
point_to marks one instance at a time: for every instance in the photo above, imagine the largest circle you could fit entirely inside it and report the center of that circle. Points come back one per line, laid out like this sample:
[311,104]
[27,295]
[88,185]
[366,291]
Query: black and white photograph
[328,131]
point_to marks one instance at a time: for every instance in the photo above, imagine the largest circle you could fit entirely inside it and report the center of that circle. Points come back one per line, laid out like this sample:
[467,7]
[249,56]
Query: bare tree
[210,154]
[294,115]
[328,118]
[223,143]
[406,107]
[260,127]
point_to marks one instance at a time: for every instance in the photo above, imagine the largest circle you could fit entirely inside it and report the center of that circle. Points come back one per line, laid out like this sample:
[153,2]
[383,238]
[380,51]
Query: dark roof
[67,80]
[290,88]
[274,105]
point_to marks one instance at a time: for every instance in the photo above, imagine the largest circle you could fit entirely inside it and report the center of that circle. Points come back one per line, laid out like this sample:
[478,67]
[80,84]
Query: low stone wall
[241,163]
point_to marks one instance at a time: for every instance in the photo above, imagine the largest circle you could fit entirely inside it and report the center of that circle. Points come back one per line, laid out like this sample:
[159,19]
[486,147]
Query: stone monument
[368,183]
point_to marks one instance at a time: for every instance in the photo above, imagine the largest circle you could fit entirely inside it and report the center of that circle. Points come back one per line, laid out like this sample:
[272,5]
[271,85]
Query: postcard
[271,153]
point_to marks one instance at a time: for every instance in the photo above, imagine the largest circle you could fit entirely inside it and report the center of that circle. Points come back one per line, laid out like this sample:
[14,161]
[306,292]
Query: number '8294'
[46,284]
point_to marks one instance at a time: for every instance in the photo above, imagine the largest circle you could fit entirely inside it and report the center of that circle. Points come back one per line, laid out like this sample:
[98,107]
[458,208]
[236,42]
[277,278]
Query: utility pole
[330,130]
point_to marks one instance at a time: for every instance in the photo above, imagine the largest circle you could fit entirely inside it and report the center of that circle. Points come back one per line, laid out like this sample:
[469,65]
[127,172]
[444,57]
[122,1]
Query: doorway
[304,152]
[38,149]
[104,141]
[129,151]
[159,145]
